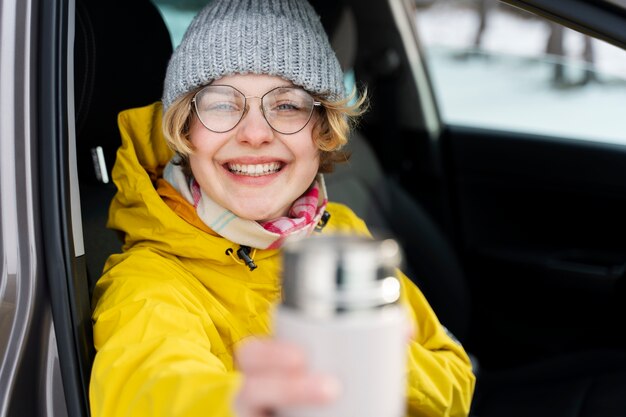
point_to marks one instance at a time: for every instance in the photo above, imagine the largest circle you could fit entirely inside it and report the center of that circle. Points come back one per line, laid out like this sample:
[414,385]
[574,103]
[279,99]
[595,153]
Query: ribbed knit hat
[275,37]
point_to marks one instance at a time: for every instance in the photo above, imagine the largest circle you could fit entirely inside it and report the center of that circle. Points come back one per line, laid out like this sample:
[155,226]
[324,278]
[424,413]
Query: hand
[276,376]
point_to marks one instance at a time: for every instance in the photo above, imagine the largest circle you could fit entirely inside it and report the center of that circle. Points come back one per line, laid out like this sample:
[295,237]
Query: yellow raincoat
[170,310]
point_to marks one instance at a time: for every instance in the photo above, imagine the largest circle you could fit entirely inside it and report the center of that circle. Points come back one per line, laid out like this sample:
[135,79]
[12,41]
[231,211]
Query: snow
[508,83]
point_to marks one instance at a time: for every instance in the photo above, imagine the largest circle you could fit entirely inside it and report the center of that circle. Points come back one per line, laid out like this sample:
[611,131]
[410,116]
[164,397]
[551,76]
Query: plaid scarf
[301,219]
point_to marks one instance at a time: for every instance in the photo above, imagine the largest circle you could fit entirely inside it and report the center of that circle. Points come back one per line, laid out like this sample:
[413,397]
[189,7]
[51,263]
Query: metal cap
[328,275]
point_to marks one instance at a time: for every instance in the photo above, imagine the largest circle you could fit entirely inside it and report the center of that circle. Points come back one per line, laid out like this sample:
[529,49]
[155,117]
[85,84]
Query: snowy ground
[508,84]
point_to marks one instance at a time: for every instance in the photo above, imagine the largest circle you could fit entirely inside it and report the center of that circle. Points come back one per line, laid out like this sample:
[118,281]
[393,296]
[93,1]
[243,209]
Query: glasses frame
[246,107]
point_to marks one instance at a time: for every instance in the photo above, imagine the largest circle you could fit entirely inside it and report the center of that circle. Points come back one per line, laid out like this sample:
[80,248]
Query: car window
[177,15]
[504,68]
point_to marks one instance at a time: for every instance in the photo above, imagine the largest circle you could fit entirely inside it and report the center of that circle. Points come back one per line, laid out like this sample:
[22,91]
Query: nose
[253,128]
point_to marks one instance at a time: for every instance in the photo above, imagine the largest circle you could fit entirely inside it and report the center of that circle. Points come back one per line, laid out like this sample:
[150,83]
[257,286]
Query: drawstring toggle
[243,253]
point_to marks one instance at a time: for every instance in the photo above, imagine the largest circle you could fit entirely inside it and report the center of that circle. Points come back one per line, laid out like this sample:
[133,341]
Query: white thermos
[340,303]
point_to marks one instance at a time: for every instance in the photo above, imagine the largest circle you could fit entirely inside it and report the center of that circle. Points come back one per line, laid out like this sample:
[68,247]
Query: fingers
[276,376]
[273,392]
[257,356]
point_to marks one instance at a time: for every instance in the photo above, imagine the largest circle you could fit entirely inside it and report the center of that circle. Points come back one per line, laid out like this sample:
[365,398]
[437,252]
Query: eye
[222,106]
[219,105]
[219,100]
[286,106]
[285,103]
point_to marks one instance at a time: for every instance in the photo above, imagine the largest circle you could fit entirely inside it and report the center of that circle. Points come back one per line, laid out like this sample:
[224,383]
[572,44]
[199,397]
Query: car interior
[517,240]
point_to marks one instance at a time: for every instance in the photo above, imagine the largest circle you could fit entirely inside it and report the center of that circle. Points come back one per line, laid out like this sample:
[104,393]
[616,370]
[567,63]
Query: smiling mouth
[255,170]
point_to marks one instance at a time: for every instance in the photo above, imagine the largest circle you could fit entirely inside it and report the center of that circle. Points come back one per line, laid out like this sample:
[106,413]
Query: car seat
[430,260]
[121,53]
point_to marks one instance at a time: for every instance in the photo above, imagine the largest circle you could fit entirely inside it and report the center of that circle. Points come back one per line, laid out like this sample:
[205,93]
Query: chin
[253,213]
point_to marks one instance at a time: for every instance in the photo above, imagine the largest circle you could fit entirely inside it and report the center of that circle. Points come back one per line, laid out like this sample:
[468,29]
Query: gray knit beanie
[275,37]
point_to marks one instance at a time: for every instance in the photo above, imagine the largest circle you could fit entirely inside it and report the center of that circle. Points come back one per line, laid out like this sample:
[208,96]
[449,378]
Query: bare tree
[554,44]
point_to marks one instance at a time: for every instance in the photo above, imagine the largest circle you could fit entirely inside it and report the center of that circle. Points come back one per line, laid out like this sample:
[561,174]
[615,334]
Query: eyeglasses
[286,109]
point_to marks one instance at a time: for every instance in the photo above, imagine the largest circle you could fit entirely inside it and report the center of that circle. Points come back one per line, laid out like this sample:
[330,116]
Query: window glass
[498,67]
[177,15]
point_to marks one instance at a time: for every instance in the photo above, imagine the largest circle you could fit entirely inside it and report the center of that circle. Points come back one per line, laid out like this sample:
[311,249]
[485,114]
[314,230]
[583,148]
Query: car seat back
[121,53]
[430,261]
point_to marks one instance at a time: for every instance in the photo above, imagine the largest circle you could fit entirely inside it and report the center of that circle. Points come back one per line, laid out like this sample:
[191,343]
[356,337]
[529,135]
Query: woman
[253,111]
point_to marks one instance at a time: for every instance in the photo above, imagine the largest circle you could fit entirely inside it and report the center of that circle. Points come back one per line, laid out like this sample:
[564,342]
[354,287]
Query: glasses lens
[288,109]
[219,107]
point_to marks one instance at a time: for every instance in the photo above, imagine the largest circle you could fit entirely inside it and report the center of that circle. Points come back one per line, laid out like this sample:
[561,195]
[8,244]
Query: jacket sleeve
[440,377]
[153,355]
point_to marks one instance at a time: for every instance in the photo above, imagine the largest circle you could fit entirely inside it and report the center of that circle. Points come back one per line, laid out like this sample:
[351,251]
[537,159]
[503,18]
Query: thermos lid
[328,275]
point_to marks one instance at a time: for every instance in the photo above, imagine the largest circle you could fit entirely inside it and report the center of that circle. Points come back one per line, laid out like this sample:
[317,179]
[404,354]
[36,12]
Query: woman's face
[284,166]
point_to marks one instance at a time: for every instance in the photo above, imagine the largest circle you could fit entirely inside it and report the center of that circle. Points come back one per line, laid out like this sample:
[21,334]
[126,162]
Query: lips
[254,170]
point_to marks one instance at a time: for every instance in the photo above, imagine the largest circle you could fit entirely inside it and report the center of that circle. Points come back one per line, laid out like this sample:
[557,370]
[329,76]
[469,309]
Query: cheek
[201,159]
[310,152]
[203,142]
[195,135]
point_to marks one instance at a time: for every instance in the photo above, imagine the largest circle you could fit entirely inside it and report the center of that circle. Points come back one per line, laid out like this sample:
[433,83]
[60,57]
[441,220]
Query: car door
[46,346]
[39,323]
[532,147]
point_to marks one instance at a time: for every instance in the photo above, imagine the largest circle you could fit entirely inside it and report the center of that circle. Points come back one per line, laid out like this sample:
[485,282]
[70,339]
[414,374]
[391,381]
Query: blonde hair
[330,133]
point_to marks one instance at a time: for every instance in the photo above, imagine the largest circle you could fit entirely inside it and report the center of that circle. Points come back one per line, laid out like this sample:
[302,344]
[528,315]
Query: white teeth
[255,170]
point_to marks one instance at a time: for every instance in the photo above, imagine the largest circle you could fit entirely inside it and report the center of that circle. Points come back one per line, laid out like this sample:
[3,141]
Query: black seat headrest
[120,57]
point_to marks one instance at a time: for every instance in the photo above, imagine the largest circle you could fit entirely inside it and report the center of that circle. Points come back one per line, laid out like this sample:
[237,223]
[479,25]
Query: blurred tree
[555,44]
